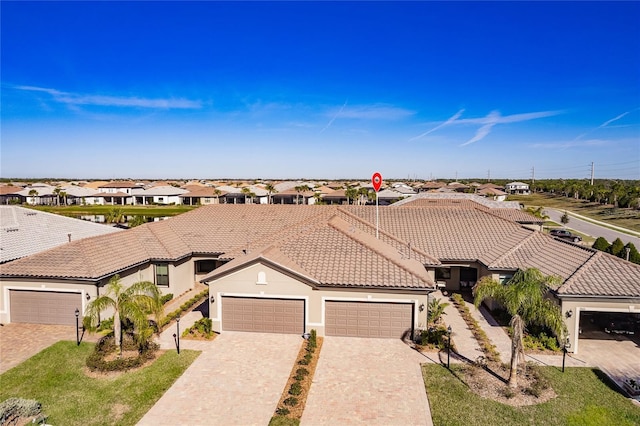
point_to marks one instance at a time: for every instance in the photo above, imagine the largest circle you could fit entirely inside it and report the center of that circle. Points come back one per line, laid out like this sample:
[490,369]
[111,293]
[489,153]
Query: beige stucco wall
[7,284]
[579,305]
[280,285]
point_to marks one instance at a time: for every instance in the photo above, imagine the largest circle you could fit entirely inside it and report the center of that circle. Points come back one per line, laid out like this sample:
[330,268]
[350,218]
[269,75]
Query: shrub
[201,328]
[508,392]
[304,361]
[302,372]
[282,411]
[14,408]
[167,297]
[313,339]
[291,401]
[308,356]
[106,345]
[106,324]
[295,389]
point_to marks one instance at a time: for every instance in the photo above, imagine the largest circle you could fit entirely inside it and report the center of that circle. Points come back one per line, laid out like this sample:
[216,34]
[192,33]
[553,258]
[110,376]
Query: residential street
[592,229]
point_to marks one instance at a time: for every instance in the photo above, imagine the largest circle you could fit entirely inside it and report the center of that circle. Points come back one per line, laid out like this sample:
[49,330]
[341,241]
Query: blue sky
[320,90]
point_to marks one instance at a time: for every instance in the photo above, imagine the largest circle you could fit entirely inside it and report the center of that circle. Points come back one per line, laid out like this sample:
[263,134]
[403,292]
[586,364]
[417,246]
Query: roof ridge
[389,235]
[514,248]
[363,241]
[581,270]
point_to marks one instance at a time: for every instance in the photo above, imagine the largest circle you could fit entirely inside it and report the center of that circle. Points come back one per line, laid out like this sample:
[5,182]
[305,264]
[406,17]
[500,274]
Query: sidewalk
[467,345]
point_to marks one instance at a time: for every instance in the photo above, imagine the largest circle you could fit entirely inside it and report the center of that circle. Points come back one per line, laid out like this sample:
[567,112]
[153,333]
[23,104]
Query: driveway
[237,380]
[372,381]
[19,342]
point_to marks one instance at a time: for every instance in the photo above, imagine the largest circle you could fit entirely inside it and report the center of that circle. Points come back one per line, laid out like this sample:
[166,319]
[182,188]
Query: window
[162,274]
[206,266]
[443,274]
[504,278]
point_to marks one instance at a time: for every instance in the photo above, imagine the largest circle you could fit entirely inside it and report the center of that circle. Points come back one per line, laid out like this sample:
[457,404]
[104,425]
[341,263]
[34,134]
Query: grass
[585,397]
[56,378]
[283,421]
[626,218]
[126,210]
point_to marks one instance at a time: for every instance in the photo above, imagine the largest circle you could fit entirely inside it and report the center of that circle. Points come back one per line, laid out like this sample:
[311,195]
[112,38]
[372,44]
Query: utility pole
[456,175]
[489,175]
[592,172]
[533,175]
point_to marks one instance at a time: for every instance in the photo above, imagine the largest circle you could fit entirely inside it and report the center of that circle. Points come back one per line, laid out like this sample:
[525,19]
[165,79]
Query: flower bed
[198,298]
[632,386]
[294,397]
[487,347]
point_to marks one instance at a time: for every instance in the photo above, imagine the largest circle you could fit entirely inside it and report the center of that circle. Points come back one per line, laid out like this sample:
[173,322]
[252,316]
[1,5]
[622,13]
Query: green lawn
[583,399]
[626,218]
[127,210]
[55,377]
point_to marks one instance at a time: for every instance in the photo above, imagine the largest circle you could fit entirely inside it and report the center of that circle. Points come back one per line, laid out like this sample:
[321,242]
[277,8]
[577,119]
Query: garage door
[44,307]
[263,315]
[368,319]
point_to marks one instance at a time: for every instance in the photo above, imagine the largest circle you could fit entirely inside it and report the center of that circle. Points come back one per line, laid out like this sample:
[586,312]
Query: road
[592,229]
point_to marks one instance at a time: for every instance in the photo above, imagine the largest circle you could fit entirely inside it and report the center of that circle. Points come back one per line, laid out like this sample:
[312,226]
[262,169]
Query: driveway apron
[372,381]
[237,380]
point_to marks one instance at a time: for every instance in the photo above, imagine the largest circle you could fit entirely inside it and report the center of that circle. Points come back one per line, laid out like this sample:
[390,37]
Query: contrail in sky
[334,117]
[439,126]
[605,124]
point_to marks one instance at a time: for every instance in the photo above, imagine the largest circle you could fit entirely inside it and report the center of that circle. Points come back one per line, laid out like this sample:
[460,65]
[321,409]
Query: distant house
[519,188]
[9,194]
[166,195]
[493,193]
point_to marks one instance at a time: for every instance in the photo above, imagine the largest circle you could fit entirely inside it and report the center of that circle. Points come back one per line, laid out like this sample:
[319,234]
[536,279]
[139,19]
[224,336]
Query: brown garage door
[368,319]
[44,307]
[263,315]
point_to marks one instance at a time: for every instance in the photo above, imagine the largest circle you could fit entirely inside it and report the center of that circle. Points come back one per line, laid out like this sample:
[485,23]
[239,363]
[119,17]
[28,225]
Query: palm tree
[64,194]
[57,191]
[351,194]
[33,194]
[247,193]
[217,193]
[115,215]
[270,190]
[538,212]
[132,303]
[524,298]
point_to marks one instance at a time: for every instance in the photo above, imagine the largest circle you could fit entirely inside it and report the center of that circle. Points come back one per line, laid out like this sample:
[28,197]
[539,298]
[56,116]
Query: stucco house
[519,188]
[290,269]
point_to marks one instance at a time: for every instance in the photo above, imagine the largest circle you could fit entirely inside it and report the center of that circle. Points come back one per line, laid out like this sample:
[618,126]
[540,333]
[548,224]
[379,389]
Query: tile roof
[333,252]
[604,275]
[122,184]
[24,232]
[418,200]
[337,246]
[9,189]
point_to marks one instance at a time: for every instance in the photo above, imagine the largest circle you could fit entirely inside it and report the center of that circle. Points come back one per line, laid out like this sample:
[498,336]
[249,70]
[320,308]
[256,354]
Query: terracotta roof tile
[604,275]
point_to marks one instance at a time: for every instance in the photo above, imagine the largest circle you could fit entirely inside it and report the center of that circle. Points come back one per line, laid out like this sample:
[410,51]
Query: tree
[538,212]
[132,304]
[33,194]
[617,248]
[247,194]
[565,218]
[115,215]
[634,256]
[299,189]
[270,190]
[436,310]
[351,194]
[217,193]
[524,299]
[601,244]
[57,191]
[64,194]
[137,220]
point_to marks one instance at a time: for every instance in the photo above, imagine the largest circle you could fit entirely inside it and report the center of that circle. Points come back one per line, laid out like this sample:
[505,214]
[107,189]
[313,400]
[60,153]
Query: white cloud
[372,112]
[450,120]
[487,122]
[74,99]
[570,144]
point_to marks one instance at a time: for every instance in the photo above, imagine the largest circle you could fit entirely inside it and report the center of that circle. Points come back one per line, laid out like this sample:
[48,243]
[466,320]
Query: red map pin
[376,180]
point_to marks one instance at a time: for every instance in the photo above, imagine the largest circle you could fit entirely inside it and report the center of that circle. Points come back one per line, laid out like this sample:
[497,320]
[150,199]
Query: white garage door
[263,315]
[368,319]
[44,307]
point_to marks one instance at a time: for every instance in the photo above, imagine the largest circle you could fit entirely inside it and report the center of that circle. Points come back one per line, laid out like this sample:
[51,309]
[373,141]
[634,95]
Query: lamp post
[564,351]
[77,327]
[178,334]
[448,345]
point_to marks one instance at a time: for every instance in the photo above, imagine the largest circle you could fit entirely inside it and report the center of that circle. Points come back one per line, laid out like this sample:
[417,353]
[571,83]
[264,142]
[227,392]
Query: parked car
[565,235]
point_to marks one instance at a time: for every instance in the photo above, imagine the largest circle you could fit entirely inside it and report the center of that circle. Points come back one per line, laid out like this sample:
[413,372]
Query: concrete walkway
[237,380]
[466,346]
[367,381]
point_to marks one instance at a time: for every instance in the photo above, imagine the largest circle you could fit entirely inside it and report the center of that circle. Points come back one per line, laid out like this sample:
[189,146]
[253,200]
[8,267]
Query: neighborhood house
[292,268]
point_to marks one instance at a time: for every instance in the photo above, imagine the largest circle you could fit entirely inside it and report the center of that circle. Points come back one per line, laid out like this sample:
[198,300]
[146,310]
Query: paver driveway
[237,380]
[19,342]
[373,381]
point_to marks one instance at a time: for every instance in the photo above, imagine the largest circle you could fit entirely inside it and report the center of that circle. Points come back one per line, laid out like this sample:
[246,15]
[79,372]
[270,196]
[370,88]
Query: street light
[177,335]
[448,345]
[77,327]
[566,345]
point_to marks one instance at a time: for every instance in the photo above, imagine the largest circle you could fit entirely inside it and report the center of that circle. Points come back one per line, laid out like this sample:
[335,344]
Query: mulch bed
[296,411]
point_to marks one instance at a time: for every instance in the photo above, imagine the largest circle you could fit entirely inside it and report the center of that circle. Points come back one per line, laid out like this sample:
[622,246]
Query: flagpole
[377,216]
